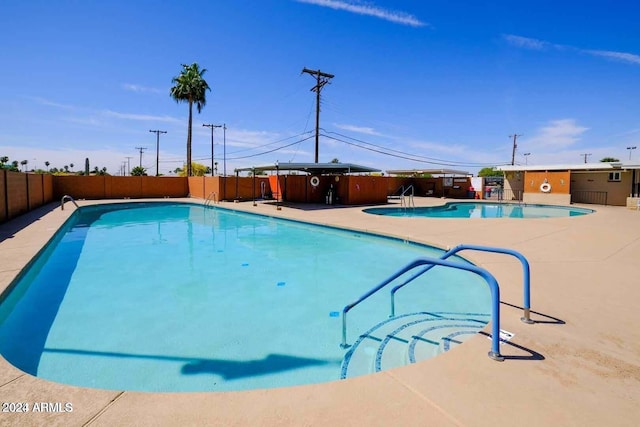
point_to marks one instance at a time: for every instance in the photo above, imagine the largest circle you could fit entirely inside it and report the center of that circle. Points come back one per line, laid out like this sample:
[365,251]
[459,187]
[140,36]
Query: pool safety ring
[545,187]
[315,181]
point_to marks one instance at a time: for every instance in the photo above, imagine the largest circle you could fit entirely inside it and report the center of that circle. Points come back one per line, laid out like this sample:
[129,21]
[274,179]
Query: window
[614,176]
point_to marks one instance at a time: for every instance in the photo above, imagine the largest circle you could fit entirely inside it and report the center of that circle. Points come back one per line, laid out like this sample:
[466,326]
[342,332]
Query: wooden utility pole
[212,127]
[141,149]
[321,80]
[158,132]
[515,145]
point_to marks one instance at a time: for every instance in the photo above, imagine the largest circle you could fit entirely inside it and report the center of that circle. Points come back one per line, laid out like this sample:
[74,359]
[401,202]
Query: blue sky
[434,84]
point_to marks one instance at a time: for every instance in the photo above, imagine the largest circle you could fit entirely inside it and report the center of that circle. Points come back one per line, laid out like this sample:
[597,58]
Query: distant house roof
[429,171]
[574,167]
[312,168]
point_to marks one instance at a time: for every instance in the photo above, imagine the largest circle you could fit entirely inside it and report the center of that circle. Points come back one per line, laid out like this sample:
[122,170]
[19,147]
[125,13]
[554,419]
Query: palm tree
[24,164]
[47,164]
[190,87]
[71,166]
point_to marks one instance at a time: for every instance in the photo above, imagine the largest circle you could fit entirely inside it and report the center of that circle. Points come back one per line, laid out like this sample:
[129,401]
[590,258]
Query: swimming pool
[483,210]
[180,297]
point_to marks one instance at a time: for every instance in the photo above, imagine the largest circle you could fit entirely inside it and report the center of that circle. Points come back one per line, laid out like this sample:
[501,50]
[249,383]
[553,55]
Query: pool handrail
[65,198]
[526,285]
[211,198]
[404,195]
[491,281]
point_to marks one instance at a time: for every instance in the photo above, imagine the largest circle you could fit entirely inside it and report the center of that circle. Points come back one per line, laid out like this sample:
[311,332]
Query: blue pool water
[483,210]
[179,297]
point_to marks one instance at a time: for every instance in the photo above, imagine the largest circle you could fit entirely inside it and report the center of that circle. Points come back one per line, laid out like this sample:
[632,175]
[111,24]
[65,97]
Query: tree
[197,169]
[3,161]
[139,171]
[24,164]
[47,164]
[71,166]
[335,160]
[489,172]
[609,159]
[190,87]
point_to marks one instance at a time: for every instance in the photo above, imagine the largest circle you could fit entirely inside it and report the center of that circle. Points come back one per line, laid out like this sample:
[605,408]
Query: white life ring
[545,187]
[315,181]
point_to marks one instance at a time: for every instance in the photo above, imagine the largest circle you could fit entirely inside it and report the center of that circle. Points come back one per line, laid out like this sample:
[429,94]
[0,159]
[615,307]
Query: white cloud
[618,56]
[369,10]
[525,42]
[43,101]
[140,88]
[358,129]
[140,117]
[557,135]
[535,44]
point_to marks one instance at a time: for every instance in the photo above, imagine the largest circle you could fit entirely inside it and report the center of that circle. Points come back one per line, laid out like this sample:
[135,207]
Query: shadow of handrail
[552,321]
[533,355]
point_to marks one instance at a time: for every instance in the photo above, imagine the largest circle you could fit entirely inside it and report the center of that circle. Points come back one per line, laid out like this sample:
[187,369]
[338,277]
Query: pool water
[180,297]
[483,210]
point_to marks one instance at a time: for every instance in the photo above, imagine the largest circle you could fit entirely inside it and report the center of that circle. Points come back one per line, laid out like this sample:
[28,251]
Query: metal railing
[64,199]
[406,198]
[511,195]
[491,281]
[590,197]
[211,198]
[526,272]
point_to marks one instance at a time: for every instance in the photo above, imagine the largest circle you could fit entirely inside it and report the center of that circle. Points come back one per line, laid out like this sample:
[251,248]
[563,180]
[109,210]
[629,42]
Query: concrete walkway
[578,365]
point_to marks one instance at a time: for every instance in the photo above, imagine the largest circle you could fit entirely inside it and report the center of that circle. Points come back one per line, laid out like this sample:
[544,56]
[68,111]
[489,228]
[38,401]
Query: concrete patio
[579,364]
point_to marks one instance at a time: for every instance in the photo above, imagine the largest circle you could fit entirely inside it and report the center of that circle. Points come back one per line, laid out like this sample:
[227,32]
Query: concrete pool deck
[578,365]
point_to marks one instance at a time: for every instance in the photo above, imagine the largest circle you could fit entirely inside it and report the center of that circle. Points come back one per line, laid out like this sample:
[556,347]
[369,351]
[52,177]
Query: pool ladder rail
[442,261]
[212,198]
[65,198]
[406,198]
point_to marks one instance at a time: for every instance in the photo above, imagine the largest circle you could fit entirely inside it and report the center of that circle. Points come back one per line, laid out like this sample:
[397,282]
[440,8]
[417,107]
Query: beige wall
[616,192]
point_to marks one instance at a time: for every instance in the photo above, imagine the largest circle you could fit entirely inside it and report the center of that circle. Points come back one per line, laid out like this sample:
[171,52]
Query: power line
[408,156]
[585,156]
[404,154]
[271,151]
[321,80]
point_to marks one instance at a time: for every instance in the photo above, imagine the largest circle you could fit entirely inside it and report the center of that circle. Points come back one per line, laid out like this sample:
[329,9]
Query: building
[615,183]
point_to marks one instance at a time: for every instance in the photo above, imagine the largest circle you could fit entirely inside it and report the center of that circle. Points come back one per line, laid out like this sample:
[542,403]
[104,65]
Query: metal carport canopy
[429,171]
[312,168]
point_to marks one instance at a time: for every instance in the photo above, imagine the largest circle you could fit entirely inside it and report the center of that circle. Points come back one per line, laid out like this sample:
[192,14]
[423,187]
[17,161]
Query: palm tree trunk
[189,138]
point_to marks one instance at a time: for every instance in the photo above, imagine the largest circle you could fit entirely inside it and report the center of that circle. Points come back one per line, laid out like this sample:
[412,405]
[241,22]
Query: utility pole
[128,164]
[224,148]
[321,80]
[515,145]
[158,132]
[585,156]
[212,127]
[141,150]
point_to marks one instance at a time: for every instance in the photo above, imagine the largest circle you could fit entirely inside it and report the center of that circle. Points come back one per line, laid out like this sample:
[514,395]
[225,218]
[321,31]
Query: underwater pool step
[407,339]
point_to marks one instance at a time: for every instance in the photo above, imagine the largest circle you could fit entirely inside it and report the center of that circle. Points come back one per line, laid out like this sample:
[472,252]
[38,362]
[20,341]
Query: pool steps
[407,339]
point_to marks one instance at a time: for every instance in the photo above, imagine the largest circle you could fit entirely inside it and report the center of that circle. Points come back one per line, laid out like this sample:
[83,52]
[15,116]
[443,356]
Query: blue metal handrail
[491,281]
[525,268]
